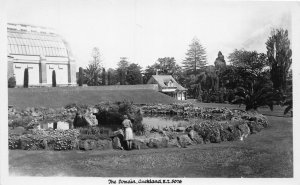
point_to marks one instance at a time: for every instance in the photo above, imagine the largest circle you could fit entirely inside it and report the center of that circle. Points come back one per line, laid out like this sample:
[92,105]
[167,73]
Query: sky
[144,31]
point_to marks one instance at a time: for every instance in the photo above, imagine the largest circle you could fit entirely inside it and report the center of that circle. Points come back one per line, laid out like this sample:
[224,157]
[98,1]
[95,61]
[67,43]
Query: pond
[161,122]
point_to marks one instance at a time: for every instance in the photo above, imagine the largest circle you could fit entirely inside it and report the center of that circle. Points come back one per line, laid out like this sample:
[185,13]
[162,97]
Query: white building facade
[42,51]
[168,85]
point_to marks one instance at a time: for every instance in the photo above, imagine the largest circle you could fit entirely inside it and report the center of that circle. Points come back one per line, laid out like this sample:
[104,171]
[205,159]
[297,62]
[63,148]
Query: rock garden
[98,127]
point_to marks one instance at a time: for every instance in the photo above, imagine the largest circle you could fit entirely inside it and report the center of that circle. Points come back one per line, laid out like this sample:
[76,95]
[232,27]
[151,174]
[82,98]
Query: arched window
[170,83]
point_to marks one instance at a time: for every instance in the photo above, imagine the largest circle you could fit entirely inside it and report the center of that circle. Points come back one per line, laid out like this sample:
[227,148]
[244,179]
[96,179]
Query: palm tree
[289,104]
[92,75]
[258,95]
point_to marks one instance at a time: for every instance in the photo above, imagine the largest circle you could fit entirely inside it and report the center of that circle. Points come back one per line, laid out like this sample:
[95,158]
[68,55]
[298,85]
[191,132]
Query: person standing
[128,134]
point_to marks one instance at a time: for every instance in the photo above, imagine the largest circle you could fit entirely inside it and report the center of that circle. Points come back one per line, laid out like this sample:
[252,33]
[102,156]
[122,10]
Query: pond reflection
[161,122]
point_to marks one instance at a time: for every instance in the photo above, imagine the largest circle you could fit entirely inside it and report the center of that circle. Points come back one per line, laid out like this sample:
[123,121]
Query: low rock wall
[216,125]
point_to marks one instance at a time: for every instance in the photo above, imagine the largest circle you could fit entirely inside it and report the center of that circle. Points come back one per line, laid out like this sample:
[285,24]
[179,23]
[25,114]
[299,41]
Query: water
[161,122]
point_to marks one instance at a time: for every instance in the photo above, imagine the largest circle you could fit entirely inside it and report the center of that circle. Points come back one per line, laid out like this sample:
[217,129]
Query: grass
[265,154]
[59,97]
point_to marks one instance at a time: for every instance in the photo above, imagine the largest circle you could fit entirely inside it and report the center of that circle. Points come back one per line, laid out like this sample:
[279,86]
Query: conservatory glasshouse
[41,51]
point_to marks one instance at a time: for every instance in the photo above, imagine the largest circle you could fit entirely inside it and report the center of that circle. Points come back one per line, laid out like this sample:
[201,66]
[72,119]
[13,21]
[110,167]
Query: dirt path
[266,154]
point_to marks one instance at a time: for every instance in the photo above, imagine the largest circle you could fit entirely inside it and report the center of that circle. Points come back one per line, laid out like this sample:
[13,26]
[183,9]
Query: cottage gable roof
[163,80]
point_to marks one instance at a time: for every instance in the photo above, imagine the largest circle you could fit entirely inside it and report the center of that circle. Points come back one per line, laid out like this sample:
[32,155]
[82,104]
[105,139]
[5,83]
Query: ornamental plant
[42,139]
[12,82]
[26,78]
[14,142]
[53,78]
[112,114]
[80,77]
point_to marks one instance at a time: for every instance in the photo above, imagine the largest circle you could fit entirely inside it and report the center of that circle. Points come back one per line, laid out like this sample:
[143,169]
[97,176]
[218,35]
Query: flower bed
[45,139]
[211,124]
[205,125]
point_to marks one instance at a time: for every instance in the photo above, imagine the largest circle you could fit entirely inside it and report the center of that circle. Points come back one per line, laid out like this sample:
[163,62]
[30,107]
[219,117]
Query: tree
[149,71]
[279,57]
[96,56]
[209,79]
[92,72]
[122,70]
[103,77]
[195,57]
[123,64]
[53,78]
[220,66]
[109,78]
[112,76]
[26,78]
[134,75]
[167,65]
[230,77]
[288,99]
[220,62]
[248,74]
[247,68]
[251,61]
[92,75]
[206,80]
[164,66]
[260,95]
[80,77]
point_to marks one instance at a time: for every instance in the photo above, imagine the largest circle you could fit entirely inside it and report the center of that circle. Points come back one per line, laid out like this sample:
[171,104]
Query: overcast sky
[144,31]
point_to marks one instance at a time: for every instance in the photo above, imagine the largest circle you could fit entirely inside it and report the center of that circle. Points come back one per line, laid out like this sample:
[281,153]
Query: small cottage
[168,85]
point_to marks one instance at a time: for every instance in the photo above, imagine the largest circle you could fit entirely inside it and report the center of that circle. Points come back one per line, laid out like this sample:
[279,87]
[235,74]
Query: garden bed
[203,125]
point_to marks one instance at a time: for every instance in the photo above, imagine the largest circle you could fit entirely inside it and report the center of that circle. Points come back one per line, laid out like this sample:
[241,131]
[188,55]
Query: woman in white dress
[128,134]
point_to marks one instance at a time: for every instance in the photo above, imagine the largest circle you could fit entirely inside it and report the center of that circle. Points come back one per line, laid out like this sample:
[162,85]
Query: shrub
[21,122]
[257,96]
[90,130]
[26,78]
[62,139]
[80,107]
[43,139]
[62,143]
[112,114]
[80,77]
[221,97]
[93,137]
[53,78]
[103,77]
[17,131]
[14,142]
[12,82]
[139,128]
[32,142]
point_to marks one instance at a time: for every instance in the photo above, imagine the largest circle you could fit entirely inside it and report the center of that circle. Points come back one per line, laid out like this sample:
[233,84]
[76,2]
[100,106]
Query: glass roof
[34,43]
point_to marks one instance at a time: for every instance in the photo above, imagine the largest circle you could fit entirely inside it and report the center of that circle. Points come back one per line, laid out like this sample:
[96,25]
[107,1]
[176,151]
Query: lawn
[265,154]
[59,97]
[268,153]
